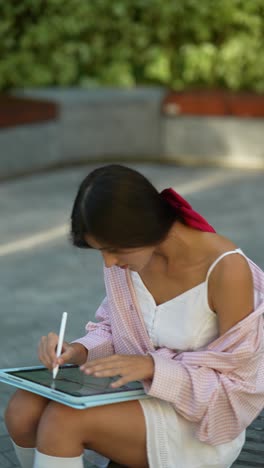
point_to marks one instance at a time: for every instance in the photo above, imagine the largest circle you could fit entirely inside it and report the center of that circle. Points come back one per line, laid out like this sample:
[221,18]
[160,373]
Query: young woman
[183,313]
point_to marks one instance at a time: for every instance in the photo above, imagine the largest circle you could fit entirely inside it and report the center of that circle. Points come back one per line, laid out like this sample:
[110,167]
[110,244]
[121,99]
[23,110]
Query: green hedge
[176,43]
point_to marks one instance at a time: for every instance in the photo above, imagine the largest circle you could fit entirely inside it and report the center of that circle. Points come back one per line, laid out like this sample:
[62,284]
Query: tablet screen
[72,381]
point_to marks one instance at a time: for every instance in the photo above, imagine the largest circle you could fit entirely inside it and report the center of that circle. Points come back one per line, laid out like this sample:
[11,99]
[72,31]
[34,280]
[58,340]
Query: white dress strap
[220,258]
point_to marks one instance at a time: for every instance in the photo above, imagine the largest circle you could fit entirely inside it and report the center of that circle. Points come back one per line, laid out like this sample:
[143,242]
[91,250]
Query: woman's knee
[23,414]
[60,427]
[59,419]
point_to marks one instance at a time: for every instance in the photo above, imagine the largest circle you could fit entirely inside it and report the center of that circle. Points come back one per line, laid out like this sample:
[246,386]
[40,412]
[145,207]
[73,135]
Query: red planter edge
[213,103]
[21,111]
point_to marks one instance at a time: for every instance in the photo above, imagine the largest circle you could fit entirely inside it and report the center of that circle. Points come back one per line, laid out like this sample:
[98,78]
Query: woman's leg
[22,417]
[117,431]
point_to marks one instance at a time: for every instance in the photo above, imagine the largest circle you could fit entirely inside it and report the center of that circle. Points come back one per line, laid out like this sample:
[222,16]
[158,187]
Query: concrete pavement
[41,274]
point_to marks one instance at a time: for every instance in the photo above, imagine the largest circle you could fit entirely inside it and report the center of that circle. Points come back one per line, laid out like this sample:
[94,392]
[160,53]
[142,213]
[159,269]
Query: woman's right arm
[72,353]
[98,339]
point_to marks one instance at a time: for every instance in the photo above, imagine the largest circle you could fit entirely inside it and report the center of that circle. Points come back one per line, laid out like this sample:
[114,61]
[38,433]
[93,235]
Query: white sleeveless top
[185,322]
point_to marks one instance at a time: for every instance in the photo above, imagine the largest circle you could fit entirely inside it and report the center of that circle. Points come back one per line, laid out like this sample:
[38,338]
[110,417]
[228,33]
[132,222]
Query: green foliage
[179,44]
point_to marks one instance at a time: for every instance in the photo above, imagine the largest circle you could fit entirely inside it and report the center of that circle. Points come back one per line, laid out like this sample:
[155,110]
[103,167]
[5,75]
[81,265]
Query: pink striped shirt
[220,387]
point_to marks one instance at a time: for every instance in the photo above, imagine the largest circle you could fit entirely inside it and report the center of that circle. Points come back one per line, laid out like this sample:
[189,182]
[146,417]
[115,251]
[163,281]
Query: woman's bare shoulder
[231,290]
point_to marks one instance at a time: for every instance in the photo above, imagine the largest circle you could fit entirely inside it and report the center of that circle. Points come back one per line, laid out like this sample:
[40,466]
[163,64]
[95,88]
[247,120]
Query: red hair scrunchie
[190,216]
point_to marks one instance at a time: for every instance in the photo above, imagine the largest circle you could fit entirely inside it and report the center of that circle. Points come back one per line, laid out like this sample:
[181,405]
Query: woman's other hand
[127,367]
[72,353]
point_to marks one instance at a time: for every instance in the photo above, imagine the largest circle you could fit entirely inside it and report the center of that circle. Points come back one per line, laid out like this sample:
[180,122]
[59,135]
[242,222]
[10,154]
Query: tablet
[71,387]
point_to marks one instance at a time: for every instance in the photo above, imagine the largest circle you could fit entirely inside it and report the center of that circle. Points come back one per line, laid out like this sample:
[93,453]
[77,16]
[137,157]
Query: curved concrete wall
[110,124]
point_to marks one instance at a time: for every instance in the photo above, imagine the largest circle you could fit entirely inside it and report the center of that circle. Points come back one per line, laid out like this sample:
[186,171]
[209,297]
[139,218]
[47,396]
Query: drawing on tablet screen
[74,382]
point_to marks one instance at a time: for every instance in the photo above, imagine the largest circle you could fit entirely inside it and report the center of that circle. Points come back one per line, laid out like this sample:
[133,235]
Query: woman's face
[133,258]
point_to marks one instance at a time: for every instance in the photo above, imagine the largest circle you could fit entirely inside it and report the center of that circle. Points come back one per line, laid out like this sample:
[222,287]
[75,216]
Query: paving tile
[5,462]
[5,443]
[11,456]
[2,428]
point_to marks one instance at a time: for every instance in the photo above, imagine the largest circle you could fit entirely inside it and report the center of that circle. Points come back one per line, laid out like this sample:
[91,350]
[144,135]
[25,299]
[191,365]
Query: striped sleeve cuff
[167,380]
[97,346]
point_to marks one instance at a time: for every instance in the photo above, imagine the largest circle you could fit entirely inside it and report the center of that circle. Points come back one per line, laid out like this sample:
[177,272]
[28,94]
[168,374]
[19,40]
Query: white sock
[24,455]
[46,461]
[96,459]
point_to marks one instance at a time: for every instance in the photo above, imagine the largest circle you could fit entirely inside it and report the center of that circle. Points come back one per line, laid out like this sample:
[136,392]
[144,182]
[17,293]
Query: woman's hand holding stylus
[72,353]
[127,367]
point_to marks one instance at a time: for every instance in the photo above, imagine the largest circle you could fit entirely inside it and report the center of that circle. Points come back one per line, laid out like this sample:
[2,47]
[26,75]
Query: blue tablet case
[71,387]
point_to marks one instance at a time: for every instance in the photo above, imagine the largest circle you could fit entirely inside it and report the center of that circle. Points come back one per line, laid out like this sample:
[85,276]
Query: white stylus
[60,341]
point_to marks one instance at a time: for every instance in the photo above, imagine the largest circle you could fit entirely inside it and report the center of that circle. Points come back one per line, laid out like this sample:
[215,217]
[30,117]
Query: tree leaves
[128,42]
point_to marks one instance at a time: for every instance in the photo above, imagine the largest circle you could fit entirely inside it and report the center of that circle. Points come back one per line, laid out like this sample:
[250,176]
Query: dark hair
[120,208]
